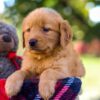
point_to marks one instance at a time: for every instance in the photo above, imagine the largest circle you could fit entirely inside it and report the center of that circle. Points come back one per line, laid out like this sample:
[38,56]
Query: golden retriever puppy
[49,53]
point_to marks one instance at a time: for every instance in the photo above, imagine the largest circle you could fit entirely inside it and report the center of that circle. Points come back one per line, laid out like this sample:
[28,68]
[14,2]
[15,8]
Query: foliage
[73,10]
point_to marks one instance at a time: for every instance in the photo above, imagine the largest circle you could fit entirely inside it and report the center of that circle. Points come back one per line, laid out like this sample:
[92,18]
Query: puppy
[49,53]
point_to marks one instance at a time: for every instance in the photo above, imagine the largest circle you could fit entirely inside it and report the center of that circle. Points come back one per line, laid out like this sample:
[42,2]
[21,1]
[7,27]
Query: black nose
[6,38]
[32,42]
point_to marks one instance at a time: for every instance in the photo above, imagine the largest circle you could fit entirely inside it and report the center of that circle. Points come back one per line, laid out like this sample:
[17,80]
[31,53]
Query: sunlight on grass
[91,82]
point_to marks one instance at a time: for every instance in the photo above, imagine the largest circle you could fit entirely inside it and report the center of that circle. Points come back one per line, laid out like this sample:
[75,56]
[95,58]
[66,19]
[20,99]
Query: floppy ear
[66,33]
[24,27]
[23,39]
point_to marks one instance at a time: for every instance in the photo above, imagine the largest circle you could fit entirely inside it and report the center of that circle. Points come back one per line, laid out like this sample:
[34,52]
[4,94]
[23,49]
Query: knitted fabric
[8,64]
[12,56]
[3,95]
[66,89]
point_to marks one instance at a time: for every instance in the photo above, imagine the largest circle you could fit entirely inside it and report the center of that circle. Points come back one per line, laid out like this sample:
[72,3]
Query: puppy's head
[44,29]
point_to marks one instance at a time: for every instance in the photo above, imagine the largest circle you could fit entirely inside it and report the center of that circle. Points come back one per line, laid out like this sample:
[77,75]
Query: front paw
[46,89]
[13,85]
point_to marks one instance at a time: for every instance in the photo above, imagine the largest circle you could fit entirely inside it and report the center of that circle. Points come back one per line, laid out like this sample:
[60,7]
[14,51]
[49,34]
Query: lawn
[91,81]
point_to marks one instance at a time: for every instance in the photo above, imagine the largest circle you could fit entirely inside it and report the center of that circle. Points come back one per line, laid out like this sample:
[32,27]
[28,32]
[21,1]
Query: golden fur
[52,58]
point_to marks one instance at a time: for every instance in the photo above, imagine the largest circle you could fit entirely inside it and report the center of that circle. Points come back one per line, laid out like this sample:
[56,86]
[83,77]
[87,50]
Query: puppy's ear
[23,39]
[24,27]
[66,33]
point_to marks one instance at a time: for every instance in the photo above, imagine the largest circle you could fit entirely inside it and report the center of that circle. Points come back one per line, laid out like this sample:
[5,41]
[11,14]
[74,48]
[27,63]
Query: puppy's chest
[41,65]
[54,63]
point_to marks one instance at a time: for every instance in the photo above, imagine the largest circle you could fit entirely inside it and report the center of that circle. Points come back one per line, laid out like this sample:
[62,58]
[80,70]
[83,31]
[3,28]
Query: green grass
[91,81]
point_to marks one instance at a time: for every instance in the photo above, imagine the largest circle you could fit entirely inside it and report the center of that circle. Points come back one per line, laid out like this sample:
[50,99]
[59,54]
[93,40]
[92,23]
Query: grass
[91,82]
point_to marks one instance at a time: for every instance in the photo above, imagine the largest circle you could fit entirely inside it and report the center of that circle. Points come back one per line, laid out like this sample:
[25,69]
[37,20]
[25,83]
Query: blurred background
[84,17]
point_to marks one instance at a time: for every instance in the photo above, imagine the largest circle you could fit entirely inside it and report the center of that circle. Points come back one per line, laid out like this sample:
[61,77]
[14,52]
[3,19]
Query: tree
[73,10]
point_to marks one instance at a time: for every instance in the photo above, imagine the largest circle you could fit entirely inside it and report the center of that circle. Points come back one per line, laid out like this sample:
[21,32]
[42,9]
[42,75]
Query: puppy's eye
[28,30]
[45,29]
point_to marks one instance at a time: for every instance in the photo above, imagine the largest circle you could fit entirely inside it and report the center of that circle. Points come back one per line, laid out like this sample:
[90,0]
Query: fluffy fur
[53,56]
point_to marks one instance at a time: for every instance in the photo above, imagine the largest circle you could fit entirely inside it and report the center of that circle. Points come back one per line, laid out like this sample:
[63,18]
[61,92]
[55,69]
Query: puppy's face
[44,30]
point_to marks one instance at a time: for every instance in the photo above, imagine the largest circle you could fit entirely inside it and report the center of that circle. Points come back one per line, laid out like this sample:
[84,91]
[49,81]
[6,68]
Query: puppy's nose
[6,38]
[32,42]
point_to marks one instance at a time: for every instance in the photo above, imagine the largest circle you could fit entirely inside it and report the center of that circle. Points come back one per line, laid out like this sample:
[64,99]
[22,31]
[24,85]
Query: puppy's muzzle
[32,42]
[6,38]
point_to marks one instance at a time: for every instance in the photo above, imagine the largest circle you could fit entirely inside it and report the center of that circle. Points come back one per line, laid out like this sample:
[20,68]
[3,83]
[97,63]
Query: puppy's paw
[46,89]
[13,85]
